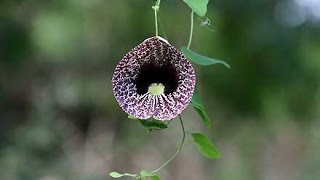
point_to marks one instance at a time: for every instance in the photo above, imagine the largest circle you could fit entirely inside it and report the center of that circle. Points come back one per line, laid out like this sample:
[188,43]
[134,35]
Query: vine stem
[178,150]
[156,8]
[191,30]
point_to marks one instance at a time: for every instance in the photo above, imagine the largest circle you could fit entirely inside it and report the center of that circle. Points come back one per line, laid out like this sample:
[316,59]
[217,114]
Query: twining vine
[153,84]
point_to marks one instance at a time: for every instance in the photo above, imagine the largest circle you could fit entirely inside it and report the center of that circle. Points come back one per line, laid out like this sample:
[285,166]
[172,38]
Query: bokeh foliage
[59,119]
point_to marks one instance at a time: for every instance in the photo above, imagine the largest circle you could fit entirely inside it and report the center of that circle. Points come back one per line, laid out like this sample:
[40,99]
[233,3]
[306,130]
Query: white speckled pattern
[161,107]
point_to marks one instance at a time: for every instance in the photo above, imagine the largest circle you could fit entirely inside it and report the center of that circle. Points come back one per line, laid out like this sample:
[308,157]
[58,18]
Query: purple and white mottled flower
[154,80]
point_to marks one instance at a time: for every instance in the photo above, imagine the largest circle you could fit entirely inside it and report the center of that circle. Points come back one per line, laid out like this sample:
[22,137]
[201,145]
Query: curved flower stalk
[155,80]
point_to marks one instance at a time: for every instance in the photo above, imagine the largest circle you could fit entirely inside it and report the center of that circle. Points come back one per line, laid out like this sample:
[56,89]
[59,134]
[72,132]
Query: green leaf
[153,124]
[154,178]
[198,106]
[198,6]
[200,59]
[205,146]
[145,173]
[115,175]
[119,175]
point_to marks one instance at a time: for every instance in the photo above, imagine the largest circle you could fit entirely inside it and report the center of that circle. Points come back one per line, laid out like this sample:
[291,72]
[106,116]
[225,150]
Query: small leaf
[198,106]
[198,6]
[119,175]
[115,175]
[200,59]
[145,173]
[205,146]
[153,124]
[154,178]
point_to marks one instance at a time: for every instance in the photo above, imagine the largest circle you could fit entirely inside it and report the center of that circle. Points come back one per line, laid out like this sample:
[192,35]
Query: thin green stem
[191,30]
[156,21]
[156,8]
[178,150]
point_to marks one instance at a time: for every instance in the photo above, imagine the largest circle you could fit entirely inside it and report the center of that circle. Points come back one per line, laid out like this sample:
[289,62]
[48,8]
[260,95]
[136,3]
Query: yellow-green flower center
[156,89]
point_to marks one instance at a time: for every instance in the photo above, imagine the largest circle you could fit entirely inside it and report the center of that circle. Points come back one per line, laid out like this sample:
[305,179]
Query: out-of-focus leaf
[198,106]
[151,124]
[205,146]
[115,175]
[145,173]
[119,175]
[200,59]
[154,178]
[198,6]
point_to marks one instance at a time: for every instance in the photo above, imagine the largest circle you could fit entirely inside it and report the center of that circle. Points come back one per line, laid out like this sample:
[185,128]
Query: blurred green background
[59,119]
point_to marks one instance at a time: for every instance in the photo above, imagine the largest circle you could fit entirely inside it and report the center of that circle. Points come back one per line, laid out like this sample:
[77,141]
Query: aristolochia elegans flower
[154,80]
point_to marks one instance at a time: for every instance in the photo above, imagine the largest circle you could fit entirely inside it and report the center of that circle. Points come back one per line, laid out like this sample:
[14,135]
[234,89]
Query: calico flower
[154,80]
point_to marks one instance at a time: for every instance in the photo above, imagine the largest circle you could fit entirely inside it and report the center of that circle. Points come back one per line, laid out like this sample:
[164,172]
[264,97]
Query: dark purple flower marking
[154,80]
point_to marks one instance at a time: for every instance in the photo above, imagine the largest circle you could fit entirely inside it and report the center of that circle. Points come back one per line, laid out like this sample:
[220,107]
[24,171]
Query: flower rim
[163,106]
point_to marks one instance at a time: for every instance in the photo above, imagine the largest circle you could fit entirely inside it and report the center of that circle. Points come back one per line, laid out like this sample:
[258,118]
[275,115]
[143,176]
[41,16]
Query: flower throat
[157,79]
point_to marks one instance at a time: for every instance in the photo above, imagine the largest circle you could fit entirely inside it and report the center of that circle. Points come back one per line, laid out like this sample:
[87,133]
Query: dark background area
[59,119]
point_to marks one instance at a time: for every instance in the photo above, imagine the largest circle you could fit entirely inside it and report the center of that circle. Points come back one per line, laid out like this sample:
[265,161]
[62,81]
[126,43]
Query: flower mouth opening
[157,78]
